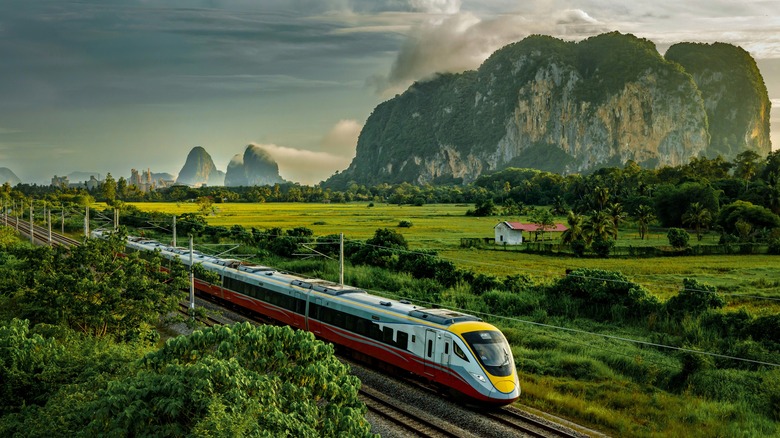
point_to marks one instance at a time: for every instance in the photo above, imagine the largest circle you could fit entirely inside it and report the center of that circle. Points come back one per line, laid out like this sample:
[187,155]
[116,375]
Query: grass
[441,227]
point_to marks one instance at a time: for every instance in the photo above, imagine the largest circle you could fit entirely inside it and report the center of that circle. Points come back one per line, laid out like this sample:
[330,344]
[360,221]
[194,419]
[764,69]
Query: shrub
[678,237]
[601,290]
[694,298]
[483,283]
[602,247]
[774,247]
[405,224]
[578,247]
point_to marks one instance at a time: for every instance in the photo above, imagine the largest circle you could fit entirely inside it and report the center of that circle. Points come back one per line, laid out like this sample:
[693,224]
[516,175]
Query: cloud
[304,166]
[462,40]
[436,6]
[342,139]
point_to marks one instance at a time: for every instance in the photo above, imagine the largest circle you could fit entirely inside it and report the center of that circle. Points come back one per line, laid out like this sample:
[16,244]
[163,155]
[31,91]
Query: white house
[511,233]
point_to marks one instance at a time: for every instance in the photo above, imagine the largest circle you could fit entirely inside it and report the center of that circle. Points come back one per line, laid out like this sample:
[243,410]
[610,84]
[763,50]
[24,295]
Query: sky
[109,85]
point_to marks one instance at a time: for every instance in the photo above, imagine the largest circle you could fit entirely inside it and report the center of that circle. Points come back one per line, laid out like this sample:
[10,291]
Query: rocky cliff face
[7,176]
[734,94]
[553,105]
[254,168]
[199,169]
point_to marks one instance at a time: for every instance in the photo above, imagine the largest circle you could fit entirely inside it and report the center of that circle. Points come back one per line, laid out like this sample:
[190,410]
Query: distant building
[511,233]
[93,183]
[143,180]
[60,181]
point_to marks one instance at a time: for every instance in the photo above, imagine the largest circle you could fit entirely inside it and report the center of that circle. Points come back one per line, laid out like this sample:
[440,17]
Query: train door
[445,351]
[315,325]
[430,353]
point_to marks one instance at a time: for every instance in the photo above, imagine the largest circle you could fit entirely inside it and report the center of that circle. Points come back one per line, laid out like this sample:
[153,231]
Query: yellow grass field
[441,227]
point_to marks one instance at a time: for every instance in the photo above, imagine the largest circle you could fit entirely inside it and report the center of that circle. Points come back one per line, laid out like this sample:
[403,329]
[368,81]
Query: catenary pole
[192,279]
[341,259]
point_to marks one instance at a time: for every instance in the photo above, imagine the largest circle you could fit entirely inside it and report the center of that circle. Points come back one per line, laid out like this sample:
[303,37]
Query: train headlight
[479,377]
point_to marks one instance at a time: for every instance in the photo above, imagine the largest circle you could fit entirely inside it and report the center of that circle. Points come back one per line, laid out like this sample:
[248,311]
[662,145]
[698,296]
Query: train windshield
[492,351]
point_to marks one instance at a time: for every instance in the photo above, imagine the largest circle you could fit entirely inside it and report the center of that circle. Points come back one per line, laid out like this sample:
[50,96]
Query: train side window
[447,348]
[362,326]
[387,335]
[340,319]
[402,340]
[350,323]
[414,339]
[458,352]
[430,347]
[374,332]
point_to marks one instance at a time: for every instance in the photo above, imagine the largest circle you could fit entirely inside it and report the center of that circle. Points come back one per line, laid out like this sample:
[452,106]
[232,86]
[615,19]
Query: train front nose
[505,390]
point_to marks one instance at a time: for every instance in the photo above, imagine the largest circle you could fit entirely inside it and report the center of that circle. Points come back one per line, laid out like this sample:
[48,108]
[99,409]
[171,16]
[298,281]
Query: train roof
[443,317]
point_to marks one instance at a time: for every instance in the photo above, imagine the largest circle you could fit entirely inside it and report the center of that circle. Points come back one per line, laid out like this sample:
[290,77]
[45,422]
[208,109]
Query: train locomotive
[458,352]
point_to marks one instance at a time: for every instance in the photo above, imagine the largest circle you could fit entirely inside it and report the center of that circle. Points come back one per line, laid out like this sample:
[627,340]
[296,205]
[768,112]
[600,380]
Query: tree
[746,165]
[756,216]
[697,217]
[678,237]
[616,214]
[599,226]
[543,219]
[643,216]
[575,231]
[205,205]
[94,290]
[108,189]
[121,188]
[235,381]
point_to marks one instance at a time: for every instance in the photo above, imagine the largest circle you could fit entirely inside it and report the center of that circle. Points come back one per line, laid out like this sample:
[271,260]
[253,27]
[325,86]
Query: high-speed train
[458,352]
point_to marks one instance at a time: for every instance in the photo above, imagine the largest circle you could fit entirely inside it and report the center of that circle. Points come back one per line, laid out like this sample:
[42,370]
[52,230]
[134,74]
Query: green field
[441,227]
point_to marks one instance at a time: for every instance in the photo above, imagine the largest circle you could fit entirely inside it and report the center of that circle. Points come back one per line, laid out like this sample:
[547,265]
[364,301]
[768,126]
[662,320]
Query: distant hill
[254,168]
[199,169]
[7,176]
[567,107]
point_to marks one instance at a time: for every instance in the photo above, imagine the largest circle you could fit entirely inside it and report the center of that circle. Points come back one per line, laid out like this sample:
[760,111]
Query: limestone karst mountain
[199,170]
[7,176]
[567,107]
[254,168]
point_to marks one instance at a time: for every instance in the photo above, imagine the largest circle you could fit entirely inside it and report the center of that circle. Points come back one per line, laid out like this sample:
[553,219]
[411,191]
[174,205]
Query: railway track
[207,320]
[411,418]
[515,419]
[41,235]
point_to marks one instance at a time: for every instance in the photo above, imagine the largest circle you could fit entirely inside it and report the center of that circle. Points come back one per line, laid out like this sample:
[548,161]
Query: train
[457,352]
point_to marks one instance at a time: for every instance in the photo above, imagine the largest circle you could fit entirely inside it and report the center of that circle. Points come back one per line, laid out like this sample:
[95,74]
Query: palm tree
[575,231]
[697,217]
[644,215]
[598,226]
[601,196]
[615,211]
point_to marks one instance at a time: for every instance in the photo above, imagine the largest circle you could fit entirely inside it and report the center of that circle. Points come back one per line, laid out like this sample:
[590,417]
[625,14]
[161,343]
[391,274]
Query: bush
[599,291]
[678,237]
[602,247]
[774,247]
[694,298]
[405,224]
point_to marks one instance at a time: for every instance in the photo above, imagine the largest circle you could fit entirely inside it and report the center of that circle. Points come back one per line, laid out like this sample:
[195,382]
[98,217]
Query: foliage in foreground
[91,288]
[224,381]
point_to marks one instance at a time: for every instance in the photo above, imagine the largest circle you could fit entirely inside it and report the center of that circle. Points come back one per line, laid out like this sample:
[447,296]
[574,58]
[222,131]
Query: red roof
[533,227]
